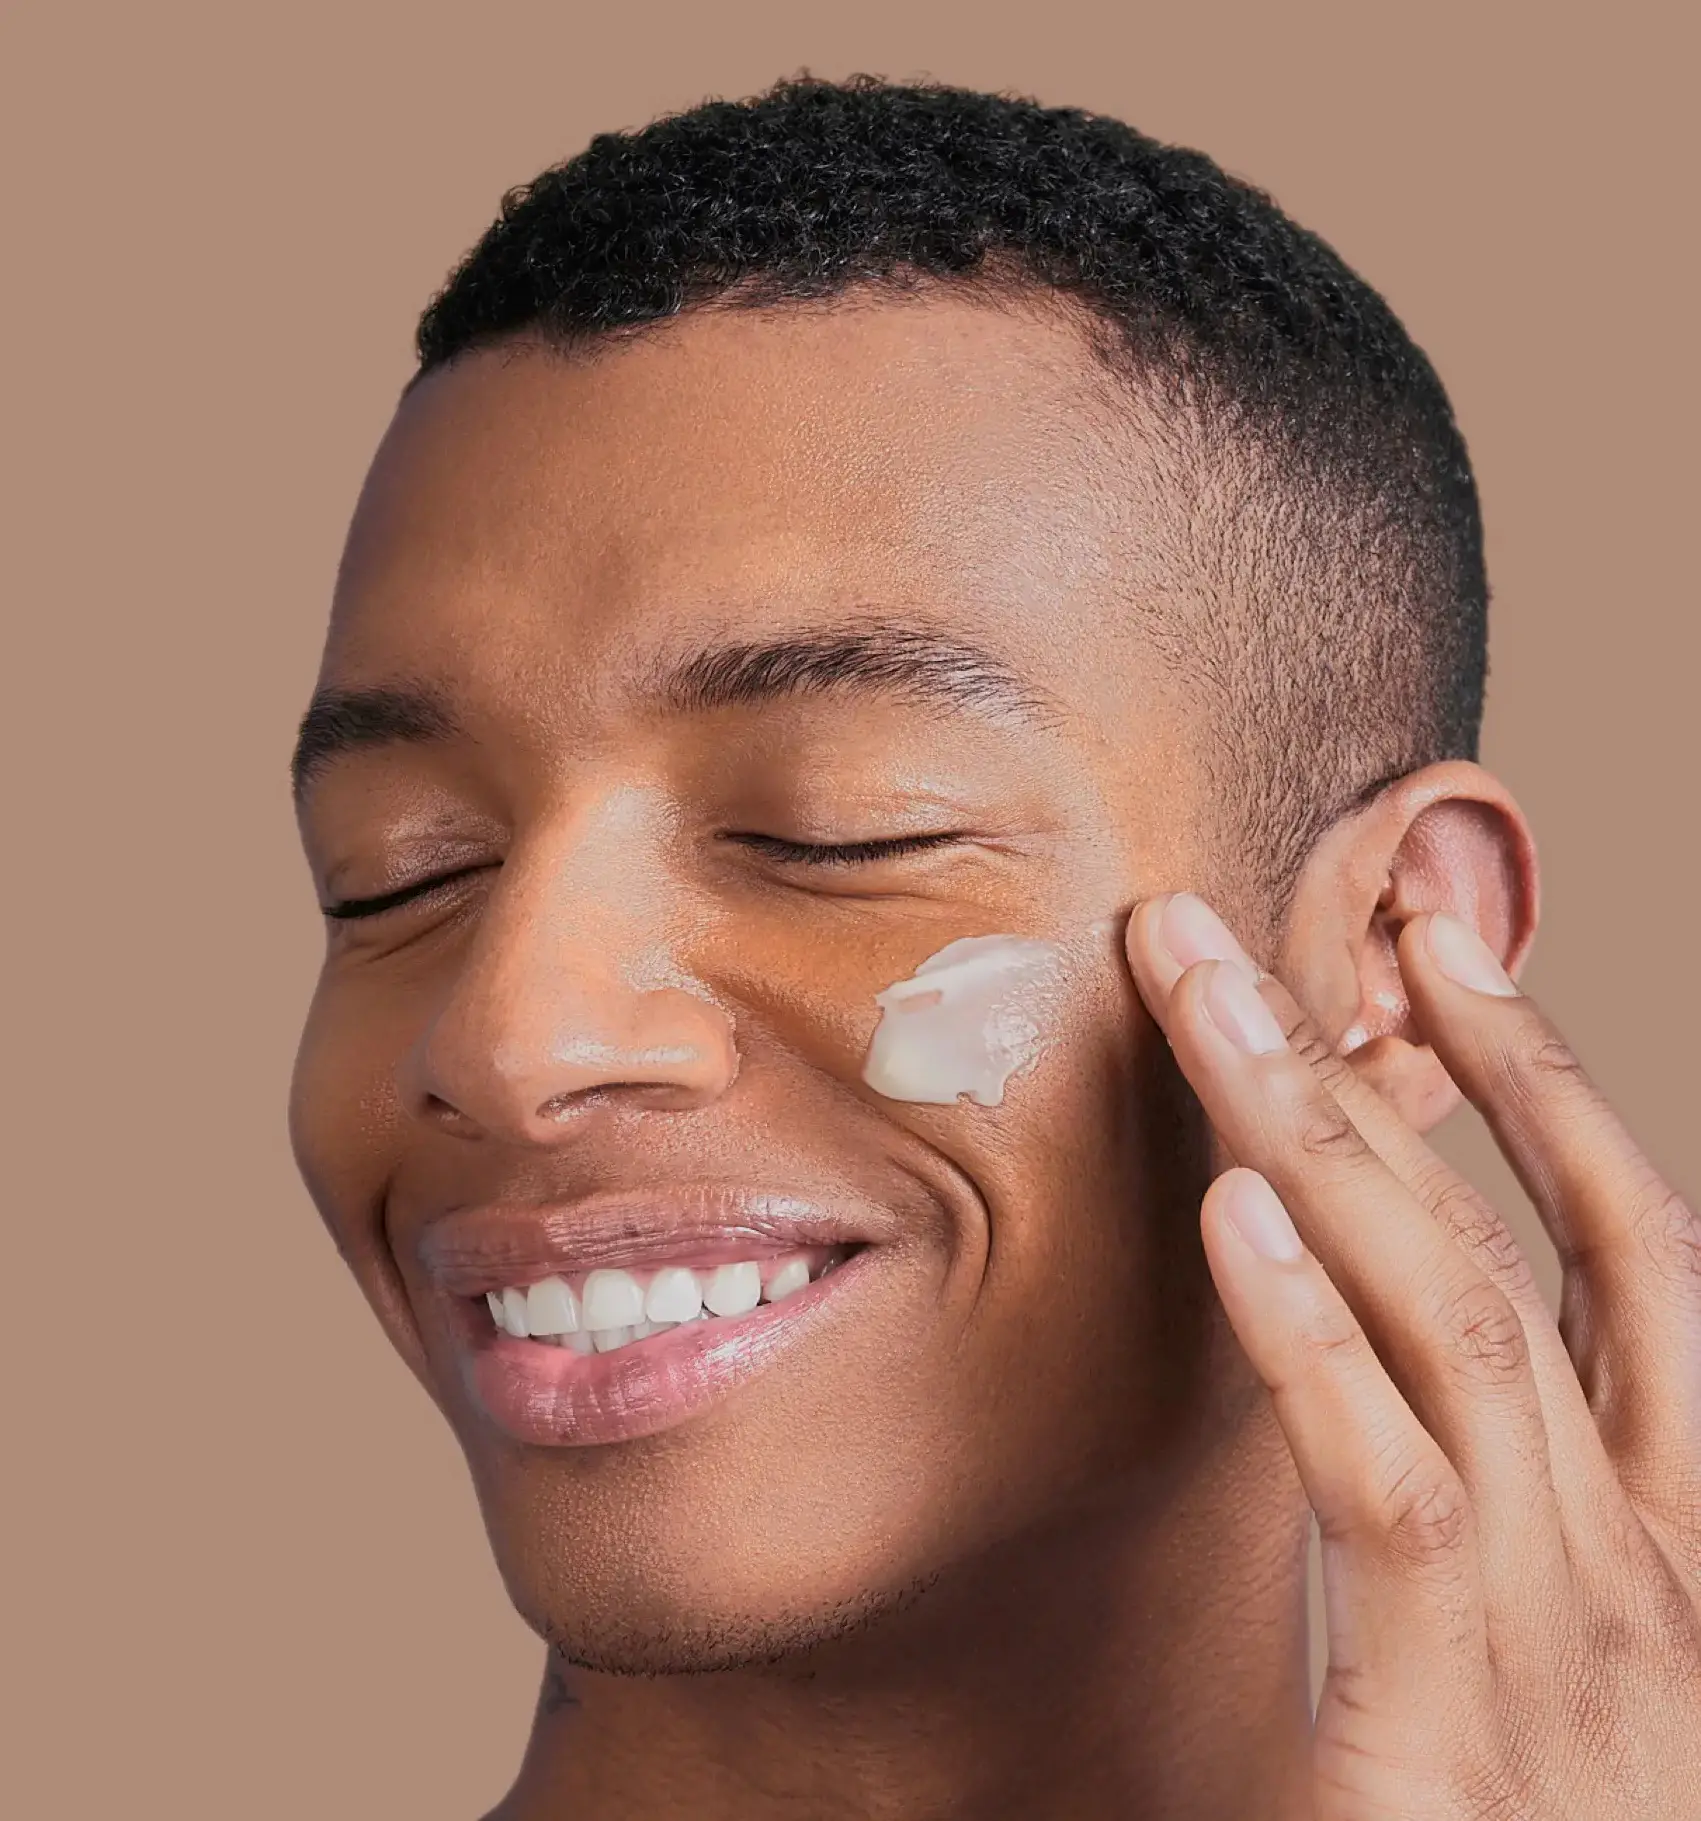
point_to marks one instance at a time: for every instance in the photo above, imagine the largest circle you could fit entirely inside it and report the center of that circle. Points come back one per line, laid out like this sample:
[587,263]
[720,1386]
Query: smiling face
[686,697]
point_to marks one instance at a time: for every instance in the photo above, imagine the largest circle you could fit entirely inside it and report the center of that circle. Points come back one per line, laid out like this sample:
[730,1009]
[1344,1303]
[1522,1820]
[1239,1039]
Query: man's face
[681,612]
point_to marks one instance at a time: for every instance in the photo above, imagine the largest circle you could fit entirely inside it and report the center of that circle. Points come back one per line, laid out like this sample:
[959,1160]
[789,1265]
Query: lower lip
[556,1398]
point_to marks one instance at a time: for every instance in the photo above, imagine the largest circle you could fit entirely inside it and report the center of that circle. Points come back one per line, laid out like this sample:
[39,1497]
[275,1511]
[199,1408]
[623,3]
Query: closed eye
[842,853]
[774,847]
[345,909]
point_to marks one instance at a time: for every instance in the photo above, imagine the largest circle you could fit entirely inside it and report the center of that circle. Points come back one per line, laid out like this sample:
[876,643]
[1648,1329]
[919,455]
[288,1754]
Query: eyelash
[793,853]
[842,853]
[350,909]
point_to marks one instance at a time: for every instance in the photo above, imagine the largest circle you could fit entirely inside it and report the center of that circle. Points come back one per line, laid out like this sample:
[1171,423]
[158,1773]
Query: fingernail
[1241,1015]
[1462,955]
[1260,1219]
[1192,932]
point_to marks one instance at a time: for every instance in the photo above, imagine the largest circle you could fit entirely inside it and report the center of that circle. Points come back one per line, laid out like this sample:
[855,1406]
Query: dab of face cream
[964,1022]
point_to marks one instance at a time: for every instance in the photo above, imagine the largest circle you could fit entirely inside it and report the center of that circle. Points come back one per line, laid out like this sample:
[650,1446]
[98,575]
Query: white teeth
[673,1295]
[612,1300]
[614,1308]
[551,1307]
[792,1276]
[734,1289]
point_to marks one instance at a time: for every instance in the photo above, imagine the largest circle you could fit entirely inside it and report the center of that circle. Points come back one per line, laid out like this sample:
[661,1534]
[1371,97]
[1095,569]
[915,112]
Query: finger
[1402,1577]
[1449,1339]
[1174,932]
[1629,1245]
[1168,934]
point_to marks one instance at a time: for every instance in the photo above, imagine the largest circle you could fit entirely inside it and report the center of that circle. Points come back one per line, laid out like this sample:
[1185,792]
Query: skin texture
[1508,1509]
[1020,1532]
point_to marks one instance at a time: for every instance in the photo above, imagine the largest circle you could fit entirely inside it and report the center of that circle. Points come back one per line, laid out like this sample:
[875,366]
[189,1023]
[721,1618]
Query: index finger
[1169,934]
[1192,932]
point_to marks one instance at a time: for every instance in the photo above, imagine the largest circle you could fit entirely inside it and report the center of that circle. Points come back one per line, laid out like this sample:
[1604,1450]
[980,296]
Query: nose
[552,1016]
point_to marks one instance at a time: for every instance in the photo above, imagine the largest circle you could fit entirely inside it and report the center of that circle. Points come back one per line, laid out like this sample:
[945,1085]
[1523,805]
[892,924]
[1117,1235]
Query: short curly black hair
[1327,580]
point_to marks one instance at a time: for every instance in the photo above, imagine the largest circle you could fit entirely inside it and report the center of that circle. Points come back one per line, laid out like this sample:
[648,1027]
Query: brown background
[248,1576]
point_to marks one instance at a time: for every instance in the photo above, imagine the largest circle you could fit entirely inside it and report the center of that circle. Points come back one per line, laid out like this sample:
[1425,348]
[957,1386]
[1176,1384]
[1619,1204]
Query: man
[824,529]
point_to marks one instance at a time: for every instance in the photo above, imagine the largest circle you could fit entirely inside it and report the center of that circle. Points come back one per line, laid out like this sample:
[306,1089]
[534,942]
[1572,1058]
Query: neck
[1149,1659]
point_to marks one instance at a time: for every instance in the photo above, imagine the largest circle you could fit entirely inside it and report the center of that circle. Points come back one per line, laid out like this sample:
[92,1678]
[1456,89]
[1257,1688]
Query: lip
[552,1397]
[470,1250]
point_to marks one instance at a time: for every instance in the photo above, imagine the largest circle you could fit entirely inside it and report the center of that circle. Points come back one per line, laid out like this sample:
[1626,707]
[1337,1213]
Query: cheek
[1034,1067]
[1029,1062]
[983,1037]
[965,1021]
[344,1114]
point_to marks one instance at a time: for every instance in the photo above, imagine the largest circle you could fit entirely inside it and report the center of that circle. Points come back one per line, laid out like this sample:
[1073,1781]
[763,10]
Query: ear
[1449,837]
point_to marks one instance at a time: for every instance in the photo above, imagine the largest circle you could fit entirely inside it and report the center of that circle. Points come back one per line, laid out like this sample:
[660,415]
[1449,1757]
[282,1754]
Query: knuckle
[1326,1133]
[1424,1515]
[1495,1248]
[1484,1335]
[1334,1340]
[1617,1665]
[1471,1223]
[1305,1040]
[1538,1055]
[1352,1695]
[1450,1201]
[1628,1552]
[1647,1632]
[1430,1177]
[1640,1595]
[1670,1235]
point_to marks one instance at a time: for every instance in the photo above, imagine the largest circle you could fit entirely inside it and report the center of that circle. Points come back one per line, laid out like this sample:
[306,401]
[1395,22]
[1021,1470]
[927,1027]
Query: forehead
[735,473]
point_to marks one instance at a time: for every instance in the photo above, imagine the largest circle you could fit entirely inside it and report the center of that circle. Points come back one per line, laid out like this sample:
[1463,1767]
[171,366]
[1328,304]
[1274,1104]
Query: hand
[1509,1509]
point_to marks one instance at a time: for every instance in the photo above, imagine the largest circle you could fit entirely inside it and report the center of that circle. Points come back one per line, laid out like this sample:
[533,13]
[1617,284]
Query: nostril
[561,1106]
[526,1066]
[661,1096]
[445,1113]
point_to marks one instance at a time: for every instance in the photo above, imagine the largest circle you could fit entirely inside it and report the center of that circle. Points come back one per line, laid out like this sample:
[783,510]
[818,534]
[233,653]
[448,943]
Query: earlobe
[1448,837]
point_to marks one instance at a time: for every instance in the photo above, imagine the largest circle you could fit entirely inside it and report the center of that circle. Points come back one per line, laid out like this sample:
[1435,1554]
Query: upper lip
[469,1250]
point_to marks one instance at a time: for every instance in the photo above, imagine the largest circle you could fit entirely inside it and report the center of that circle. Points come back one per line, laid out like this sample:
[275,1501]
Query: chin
[671,1556]
[682,1640]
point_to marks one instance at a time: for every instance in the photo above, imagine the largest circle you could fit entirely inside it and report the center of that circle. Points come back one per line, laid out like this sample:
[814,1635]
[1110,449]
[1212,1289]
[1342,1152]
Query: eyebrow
[869,657]
[339,721]
[861,658]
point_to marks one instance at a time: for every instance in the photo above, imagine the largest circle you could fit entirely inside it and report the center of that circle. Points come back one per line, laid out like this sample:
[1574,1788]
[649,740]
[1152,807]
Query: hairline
[1187,424]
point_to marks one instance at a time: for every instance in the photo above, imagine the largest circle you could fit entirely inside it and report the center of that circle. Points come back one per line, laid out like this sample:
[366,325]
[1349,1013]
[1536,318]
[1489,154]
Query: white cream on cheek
[965,1021]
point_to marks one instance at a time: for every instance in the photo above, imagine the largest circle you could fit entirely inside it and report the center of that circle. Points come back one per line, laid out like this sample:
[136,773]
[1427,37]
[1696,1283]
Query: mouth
[609,1320]
[603,1310]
